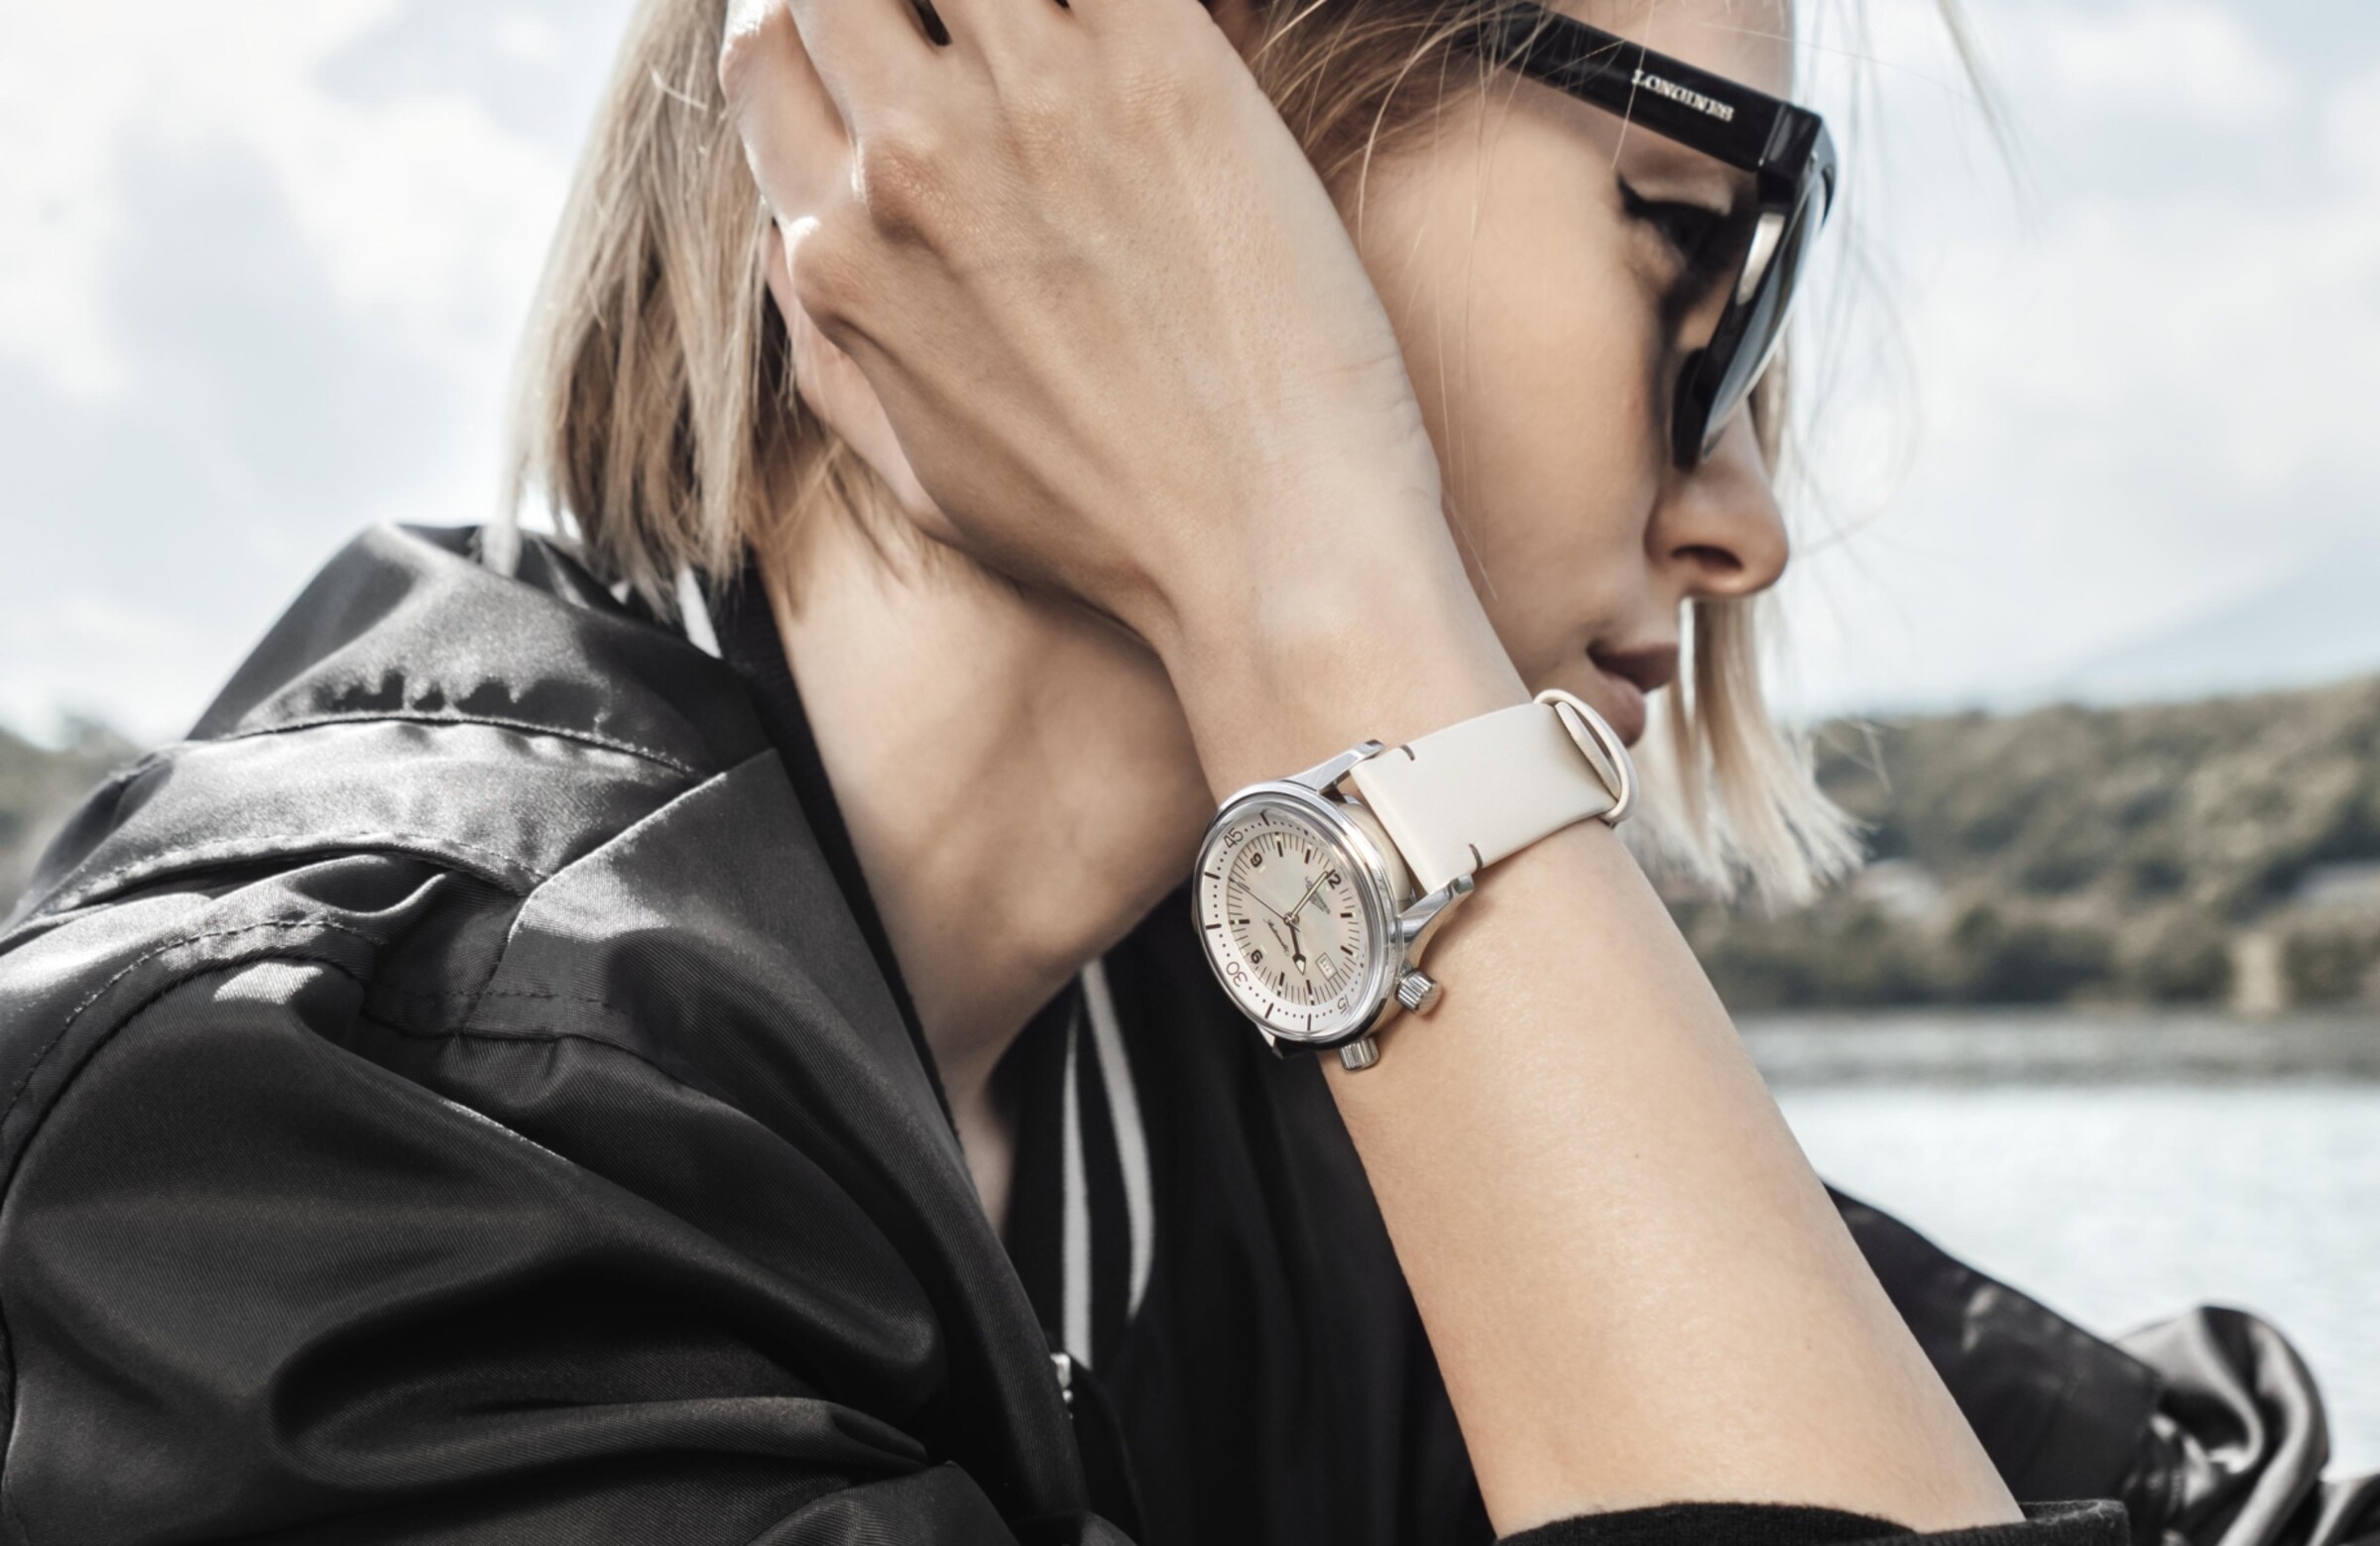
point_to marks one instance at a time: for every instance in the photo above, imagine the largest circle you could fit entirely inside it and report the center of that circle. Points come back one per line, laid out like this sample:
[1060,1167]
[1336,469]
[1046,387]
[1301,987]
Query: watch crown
[1357,1056]
[1416,991]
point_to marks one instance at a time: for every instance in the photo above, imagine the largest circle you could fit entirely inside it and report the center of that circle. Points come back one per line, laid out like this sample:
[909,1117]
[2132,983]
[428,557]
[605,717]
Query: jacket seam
[471,996]
[449,721]
[508,865]
[179,942]
[541,1033]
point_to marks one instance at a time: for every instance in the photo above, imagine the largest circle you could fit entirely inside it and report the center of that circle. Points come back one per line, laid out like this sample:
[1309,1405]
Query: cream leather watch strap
[1458,800]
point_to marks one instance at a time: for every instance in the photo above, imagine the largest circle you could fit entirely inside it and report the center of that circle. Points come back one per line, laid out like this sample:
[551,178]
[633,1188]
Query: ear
[834,388]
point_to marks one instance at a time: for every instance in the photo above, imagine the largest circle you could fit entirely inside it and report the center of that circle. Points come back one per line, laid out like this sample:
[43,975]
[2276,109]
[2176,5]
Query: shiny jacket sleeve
[2208,1427]
[2235,1451]
[261,1278]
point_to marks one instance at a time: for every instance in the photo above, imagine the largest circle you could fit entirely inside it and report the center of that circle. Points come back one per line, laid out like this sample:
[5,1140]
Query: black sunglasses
[1786,149]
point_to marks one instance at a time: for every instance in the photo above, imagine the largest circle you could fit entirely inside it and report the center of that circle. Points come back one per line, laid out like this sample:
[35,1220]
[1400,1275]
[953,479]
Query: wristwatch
[1317,894]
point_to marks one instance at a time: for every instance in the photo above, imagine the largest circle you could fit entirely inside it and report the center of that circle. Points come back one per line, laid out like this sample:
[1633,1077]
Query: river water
[2121,1168]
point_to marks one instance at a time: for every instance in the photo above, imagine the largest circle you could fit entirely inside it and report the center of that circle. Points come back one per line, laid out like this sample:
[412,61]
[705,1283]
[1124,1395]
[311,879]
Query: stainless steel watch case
[1416,920]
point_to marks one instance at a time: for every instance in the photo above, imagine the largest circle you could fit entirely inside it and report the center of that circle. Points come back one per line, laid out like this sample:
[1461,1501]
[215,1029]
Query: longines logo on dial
[1723,111]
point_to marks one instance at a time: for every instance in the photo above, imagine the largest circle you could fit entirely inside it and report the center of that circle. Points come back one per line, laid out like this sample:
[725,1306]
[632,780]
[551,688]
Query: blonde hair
[658,415]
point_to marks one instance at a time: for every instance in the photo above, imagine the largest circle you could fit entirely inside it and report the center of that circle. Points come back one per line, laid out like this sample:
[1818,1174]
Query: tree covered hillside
[2218,851]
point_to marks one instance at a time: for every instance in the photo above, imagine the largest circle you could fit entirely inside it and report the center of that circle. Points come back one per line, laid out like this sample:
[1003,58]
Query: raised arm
[1076,267]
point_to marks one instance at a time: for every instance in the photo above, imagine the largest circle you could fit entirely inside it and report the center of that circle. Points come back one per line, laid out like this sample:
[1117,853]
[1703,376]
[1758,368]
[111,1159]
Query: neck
[1019,782]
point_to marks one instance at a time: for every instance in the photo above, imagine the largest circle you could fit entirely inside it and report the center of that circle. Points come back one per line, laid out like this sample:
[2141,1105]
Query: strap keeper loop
[1600,745]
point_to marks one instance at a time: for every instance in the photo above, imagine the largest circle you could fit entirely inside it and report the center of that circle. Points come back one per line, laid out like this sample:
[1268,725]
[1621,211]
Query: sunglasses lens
[1765,310]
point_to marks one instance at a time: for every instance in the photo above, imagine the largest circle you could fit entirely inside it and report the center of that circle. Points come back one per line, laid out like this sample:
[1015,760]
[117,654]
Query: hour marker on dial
[1286,915]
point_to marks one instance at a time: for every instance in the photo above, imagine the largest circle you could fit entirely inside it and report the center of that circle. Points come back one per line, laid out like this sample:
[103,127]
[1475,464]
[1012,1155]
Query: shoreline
[2061,1046]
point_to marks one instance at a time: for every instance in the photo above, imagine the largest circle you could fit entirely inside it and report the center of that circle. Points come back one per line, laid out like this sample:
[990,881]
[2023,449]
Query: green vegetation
[39,787]
[2225,851]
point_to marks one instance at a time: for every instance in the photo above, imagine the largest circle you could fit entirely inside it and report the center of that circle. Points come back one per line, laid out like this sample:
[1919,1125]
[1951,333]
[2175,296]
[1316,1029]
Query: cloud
[413,205]
[2193,62]
[262,418]
[2351,126]
[274,259]
[263,261]
[2141,388]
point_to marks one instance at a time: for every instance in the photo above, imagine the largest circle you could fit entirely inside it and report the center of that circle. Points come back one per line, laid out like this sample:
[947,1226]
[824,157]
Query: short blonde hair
[659,420]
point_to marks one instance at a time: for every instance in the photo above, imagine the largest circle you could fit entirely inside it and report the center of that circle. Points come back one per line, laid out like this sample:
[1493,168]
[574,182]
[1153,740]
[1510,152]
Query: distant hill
[40,786]
[2225,850]
[2318,626]
[2219,850]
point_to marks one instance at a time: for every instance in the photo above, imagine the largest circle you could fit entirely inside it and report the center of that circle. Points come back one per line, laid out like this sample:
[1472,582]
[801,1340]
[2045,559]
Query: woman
[511,1077]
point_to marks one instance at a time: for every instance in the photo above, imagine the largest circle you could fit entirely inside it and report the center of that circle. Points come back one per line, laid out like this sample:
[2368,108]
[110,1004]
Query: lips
[1624,677]
[1622,703]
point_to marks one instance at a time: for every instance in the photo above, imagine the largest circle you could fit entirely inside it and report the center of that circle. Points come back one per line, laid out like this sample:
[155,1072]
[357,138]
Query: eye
[1700,235]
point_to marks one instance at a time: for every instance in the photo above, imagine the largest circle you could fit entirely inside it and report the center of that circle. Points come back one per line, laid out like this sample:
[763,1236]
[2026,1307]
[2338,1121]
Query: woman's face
[1547,273]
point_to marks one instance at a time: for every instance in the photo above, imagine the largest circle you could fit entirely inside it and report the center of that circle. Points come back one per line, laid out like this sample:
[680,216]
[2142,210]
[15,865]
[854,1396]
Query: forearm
[1632,1282]
[1637,1290]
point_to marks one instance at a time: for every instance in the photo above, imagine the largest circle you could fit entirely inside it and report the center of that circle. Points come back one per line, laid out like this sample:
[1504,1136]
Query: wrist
[1280,678]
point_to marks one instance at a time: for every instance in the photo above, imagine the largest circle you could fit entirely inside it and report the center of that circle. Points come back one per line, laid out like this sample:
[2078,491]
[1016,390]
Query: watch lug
[1419,924]
[1325,776]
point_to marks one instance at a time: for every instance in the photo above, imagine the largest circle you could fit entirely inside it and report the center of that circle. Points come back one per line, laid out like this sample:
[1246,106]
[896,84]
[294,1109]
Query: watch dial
[1288,921]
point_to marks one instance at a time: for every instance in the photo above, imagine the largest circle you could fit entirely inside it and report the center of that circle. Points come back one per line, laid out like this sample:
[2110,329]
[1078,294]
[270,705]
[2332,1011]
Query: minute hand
[1251,891]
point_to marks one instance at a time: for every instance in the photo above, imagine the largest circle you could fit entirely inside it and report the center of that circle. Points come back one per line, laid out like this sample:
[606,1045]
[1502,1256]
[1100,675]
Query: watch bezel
[1372,878]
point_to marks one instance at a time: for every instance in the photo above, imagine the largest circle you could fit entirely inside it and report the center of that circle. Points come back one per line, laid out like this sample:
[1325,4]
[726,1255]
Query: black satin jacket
[453,1098]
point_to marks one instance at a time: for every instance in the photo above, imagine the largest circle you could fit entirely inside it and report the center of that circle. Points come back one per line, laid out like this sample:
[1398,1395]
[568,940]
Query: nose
[1716,529]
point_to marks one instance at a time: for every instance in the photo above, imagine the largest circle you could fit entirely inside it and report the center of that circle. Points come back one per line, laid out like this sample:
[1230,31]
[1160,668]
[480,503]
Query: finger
[840,393]
[1006,34]
[870,52]
[793,132]
[862,52]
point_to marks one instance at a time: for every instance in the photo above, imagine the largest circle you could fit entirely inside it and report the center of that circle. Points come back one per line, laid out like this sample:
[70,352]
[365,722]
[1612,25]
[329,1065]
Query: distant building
[2259,975]
[1902,891]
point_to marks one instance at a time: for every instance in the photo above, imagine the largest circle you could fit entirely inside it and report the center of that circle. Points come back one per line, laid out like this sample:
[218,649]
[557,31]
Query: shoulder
[411,702]
[465,805]
[473,955]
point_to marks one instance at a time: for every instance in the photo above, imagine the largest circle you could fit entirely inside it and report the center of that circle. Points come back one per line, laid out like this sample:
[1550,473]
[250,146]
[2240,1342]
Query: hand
[1074,289]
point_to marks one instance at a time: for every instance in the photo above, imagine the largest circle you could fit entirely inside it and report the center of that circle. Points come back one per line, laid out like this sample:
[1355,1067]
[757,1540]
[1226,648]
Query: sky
[2078,400]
